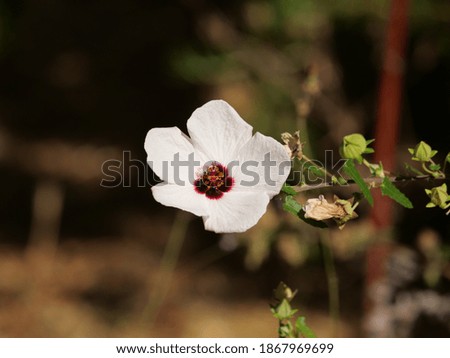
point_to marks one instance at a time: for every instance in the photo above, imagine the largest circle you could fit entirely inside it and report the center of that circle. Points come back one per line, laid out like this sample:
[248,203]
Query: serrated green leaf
[287,189]
[303,329]
[390,190]
[291,205]
[352,172]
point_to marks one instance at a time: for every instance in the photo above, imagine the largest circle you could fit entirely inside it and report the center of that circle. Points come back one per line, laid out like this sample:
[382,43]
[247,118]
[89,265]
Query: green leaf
[389,189]
[352,172]
[287,189]
[300,325]
[291,205]
[434,167]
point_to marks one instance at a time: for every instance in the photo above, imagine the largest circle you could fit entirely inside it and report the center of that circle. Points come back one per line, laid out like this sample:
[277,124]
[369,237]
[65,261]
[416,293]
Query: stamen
[214,181]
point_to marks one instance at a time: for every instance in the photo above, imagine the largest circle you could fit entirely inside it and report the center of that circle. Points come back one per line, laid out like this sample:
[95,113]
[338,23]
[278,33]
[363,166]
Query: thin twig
[373,182]
[322,169]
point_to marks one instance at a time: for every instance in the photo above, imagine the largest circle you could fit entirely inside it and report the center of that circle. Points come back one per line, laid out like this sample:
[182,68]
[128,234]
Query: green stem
[332,282]
[167,267]
[447,159]
[438,173]
[424,167]
[371,167]
[373,181]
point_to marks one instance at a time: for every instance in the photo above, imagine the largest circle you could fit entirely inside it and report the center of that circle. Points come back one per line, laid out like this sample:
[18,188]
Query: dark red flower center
[214,181]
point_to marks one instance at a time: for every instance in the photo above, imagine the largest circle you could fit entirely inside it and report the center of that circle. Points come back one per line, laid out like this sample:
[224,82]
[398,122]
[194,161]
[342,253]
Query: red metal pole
[386,132]
[389,101]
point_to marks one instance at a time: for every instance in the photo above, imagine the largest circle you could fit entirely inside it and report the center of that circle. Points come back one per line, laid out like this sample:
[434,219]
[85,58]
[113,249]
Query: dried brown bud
[293,145]
[320,209]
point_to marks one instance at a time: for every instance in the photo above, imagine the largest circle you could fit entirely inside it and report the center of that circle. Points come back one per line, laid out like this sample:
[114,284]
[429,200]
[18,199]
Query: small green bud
[422,152]
[376,170]
[283,291]
[354,146]
[439,197]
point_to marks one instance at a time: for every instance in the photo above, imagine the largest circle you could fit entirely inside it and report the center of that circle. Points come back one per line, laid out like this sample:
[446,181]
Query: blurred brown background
[81,82]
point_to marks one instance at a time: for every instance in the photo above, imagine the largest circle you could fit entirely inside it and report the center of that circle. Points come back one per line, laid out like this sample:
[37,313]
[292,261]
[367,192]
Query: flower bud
[422,152]
[438,196]
[354,146]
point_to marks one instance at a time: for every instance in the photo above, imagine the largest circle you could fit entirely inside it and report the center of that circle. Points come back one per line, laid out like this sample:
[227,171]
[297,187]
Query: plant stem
[375,181]
[447,159]
[438,173]
[332,282]
[167,267]
[424,167]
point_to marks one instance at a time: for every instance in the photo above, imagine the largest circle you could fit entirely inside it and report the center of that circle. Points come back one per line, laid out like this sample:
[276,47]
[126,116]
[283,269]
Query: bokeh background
[81,83]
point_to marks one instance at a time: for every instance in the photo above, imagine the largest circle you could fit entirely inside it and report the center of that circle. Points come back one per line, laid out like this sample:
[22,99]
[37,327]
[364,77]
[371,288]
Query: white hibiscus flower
[221,172]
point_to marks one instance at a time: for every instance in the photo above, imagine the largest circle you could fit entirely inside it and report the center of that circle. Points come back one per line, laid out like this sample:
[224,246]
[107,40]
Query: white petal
[218,132]
[181,197]
[235,211]
[264,165]
[164,146]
